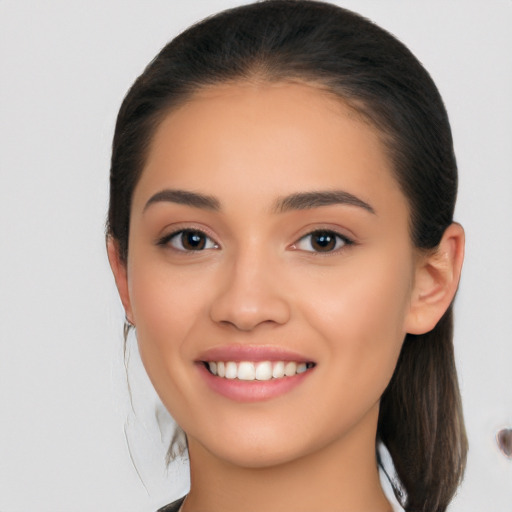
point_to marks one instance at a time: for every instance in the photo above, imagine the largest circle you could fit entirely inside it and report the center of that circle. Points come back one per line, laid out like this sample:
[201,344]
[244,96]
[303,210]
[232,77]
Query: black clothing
[172,507]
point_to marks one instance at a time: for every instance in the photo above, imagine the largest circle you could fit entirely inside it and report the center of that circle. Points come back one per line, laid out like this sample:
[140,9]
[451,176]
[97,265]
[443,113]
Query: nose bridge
[250,293]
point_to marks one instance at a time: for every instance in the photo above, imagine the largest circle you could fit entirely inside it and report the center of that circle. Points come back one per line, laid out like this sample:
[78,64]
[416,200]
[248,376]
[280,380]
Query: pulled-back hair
[420,419]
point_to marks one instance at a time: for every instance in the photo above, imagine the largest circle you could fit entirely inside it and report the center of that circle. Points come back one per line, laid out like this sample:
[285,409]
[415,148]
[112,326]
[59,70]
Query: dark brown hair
[420,419]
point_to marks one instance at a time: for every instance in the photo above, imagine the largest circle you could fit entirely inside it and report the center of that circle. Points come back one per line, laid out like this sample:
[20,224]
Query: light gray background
[65,412]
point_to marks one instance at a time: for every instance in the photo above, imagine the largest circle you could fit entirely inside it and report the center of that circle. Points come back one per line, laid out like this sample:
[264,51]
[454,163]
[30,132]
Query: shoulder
[172,507]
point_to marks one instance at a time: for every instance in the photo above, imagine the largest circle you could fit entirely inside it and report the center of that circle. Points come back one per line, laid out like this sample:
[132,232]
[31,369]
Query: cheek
[166,307]
[361,314]
[165,299]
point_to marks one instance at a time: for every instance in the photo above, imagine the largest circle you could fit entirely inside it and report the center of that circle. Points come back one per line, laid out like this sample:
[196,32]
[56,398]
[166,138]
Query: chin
[261,458]
[252,450]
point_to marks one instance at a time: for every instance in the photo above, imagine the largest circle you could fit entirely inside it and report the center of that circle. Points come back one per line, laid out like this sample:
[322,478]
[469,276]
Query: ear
[119,269]
[436,280]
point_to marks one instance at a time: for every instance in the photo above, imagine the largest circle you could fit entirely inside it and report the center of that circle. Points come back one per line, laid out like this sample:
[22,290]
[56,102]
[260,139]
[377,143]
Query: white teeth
[290,369]
[246,371]
[301,368]
[278,371]
[264,370]
[231,370]
[261,370]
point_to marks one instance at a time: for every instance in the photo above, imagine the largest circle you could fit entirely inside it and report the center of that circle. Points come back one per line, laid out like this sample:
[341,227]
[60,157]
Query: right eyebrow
[317,199]
[185,197]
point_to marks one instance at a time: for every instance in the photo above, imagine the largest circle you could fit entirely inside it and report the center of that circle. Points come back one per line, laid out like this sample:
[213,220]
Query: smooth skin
[260,277]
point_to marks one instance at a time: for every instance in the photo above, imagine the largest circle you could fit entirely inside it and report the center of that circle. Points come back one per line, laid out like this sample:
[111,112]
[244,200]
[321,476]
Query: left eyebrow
[184,197]
[310,200]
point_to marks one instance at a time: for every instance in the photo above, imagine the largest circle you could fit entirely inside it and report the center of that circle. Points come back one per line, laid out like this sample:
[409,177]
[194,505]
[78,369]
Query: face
[268,235]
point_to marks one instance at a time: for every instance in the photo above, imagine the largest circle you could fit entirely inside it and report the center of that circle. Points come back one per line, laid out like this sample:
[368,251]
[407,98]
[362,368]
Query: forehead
[273,137]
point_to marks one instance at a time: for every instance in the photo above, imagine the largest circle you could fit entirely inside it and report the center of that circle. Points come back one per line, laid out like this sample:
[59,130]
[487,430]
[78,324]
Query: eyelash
[207,243]
[178,236]
[340,241]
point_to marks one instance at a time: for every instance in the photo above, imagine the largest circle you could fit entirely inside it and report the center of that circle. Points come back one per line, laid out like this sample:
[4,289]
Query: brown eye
[191,240]
[322,241]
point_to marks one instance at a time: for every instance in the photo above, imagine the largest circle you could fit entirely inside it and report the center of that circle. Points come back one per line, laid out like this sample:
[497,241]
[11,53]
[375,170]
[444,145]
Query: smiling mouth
[260,370]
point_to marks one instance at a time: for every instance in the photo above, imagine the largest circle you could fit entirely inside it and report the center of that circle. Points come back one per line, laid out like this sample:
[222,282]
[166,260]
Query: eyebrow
[310,200]
[298,201]
[184,197]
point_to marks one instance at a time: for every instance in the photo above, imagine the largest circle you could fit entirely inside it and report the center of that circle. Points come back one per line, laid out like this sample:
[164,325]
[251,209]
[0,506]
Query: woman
[281,233]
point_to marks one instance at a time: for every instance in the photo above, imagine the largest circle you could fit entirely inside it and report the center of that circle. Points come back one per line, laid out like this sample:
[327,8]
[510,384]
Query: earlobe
[436,280]
[119,270]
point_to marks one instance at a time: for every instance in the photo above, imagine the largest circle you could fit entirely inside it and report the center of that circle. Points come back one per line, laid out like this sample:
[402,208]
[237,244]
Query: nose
[250,295]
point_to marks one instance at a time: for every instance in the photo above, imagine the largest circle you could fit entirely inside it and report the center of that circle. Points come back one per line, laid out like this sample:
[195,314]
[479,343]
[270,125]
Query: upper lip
[254,353]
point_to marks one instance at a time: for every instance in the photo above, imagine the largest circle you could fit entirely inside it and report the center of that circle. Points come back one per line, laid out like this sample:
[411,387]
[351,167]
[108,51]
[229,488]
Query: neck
[339,477]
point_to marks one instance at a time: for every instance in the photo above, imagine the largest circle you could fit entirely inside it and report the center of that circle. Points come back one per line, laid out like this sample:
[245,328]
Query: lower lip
[251,390]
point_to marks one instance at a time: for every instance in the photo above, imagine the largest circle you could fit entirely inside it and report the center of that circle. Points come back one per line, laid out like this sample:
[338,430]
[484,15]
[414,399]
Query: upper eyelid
[342,233]
[348,242]
[173,230]
[343,237]
[165,240]
[323,230]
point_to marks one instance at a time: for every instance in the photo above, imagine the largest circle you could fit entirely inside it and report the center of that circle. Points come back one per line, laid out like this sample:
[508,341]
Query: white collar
[387,468]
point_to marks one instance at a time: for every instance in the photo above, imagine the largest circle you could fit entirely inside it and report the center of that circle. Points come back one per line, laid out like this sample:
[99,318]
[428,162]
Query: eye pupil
[323,241]
[193,240]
